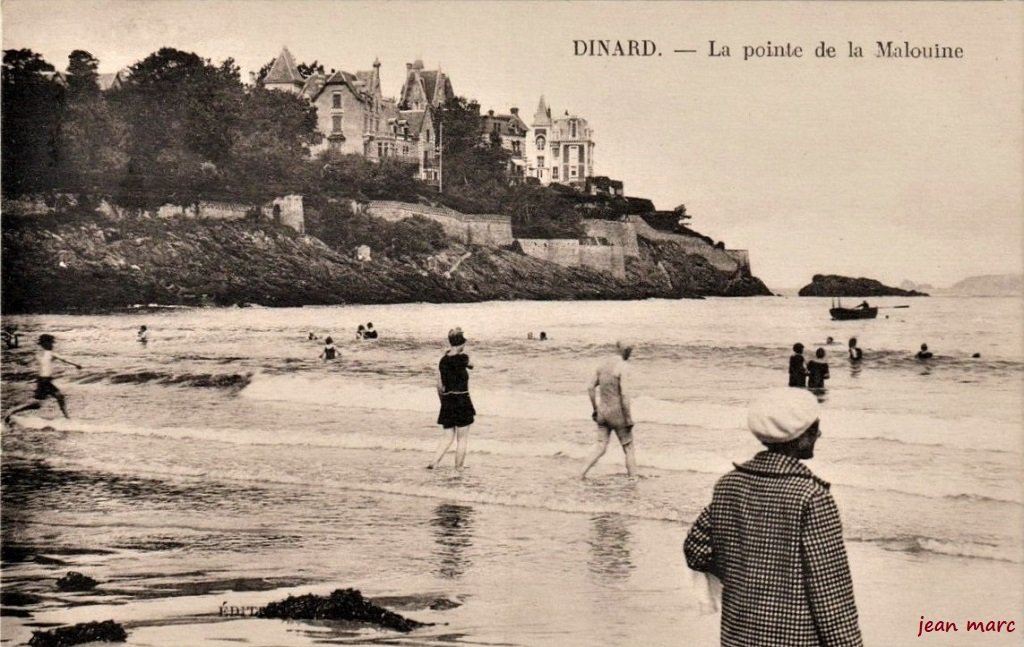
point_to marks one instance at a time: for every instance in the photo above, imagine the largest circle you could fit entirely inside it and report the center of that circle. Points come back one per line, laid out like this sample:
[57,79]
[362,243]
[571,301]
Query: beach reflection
[453,533]
[609,541]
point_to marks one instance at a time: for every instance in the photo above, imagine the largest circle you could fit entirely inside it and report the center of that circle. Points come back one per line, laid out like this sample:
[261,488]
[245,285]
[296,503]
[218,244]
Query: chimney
[515,111]
[490,113]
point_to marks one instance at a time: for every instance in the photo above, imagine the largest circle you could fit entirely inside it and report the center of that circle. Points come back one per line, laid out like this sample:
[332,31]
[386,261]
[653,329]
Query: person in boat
[924,353]
[856,354]
[863,305]
[329,352]
[797,371]
[817,371]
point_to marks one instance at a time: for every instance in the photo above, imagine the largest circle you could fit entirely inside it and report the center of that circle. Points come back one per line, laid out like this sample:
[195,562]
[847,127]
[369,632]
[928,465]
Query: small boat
[863,311]
[846,314]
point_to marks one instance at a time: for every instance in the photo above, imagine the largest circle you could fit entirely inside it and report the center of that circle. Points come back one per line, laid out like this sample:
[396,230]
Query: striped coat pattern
[772,535]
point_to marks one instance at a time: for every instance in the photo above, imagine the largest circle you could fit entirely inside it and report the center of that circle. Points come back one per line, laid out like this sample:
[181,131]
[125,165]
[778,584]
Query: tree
[82,76]
[309,69]
[30,118]
[473,170]
[181,112]
[541,212]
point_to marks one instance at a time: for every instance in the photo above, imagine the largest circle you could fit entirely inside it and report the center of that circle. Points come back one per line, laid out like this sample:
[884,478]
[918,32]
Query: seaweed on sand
[342,604]
[83,632]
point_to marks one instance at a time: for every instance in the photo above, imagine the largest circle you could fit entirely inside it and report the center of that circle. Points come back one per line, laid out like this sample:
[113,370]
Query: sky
[908,169]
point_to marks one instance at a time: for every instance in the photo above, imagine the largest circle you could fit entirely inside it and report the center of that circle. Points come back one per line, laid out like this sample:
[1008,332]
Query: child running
[45,387]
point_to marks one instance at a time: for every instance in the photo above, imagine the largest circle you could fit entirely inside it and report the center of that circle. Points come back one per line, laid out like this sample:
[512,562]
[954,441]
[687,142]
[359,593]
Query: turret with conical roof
[284,74]
[543,115]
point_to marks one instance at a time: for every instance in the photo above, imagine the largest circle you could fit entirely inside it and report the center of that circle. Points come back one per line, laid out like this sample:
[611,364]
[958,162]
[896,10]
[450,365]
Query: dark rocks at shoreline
[75,581]
[83,632]
[90,264]
[342,604]
[832,285]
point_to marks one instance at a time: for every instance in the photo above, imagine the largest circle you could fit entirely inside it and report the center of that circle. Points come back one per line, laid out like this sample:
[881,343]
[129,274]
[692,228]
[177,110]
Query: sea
[223,466]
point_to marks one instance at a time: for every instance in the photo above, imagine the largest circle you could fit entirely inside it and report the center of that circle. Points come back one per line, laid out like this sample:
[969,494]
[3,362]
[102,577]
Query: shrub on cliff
[343,230]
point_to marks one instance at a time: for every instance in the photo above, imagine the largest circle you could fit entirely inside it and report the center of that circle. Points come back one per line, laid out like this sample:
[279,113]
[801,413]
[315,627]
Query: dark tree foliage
[541,212]
[308,69]
[474,171]
[32,103]
[343,230]
[355,177]
[83,80]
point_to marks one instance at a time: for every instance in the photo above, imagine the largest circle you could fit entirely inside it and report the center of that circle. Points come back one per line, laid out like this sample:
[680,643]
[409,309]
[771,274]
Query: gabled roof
[284,70]
[415,119]
[113,80]
[508,125]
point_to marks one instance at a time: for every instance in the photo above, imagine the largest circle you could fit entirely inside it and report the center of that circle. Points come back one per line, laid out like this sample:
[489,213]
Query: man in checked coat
[772,536]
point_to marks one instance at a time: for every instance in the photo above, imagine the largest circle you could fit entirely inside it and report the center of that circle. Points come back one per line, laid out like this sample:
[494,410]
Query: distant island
[833,285]
[990,285]
[986,285]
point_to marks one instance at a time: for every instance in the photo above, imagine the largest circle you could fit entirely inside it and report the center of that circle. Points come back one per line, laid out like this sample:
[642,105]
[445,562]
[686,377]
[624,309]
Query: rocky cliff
[832,285]
[94,265]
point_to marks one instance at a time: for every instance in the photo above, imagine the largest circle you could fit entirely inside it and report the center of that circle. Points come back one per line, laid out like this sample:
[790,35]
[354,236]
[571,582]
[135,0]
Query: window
[336,100]
[554,151]
[581,155]
[515,146]
[336,123]
[554,173]
[565,153]
[581,173]
[572,128]
[573,169]
[540,161]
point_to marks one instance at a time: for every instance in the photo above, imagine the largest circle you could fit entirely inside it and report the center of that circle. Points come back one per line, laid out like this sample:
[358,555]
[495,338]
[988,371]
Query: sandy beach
[223,466]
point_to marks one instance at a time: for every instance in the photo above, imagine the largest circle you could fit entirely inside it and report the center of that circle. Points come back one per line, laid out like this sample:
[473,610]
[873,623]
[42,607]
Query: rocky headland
[91,264]
[833,285]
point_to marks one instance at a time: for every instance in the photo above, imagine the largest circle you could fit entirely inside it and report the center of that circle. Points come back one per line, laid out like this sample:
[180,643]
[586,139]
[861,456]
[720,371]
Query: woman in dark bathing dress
[457,410]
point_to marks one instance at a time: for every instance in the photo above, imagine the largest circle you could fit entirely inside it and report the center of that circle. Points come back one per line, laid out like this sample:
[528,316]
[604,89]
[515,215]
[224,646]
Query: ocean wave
[915,545]
[199,380]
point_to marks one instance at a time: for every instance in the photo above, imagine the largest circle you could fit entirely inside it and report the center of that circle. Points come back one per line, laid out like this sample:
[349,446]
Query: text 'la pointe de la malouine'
[888,49]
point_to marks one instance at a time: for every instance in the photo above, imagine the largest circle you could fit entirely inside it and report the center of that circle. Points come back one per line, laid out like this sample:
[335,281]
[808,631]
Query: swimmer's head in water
[853,342]
[46,341]
[924,347]
[625,348]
